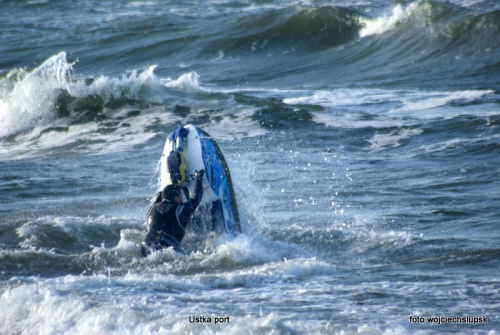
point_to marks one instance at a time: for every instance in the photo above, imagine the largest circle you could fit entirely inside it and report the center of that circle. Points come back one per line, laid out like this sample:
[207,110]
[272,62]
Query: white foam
[130,240]
[424,101]
[186,82]
[354,121]
[242,249]
[28,98]
[387,22]
[234,124]
[128,85]
[30,309]
[454,143]
[349,108]
[125,134]
[20,110]
[341,97]
[381,141]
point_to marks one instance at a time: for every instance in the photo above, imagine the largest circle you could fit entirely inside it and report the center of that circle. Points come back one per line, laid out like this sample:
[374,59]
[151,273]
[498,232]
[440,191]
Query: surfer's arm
[186,192]
[193,202]
[198,190]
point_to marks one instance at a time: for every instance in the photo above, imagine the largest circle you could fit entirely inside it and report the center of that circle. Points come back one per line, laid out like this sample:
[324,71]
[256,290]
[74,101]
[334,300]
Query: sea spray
[385,23]
[29,98]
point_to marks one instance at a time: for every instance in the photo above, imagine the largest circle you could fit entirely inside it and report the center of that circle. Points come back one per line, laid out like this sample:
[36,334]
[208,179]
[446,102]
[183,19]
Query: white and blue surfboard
[199,151]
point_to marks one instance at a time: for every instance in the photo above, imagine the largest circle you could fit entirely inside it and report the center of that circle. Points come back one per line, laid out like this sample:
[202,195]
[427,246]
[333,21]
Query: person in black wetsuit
[169,216]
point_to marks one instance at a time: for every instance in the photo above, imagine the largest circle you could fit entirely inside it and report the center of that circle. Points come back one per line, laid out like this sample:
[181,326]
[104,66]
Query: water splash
[29,98]
[186,82]
[387,22]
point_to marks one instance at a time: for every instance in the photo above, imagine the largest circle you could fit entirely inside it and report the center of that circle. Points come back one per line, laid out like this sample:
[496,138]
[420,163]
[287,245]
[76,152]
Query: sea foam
[386,22]
[29,98]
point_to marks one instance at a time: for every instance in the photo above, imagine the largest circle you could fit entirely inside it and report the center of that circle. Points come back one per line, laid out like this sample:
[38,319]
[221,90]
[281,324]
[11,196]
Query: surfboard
[195,150]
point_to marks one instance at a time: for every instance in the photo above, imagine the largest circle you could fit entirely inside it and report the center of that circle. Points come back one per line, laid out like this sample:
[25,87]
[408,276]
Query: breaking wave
[50,91]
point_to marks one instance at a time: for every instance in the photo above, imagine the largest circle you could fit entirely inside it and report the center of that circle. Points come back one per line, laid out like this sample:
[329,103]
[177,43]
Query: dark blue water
[362,137]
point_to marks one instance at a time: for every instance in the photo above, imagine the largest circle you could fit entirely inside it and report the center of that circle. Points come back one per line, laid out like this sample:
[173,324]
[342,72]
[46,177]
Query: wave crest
[29,98]
[385,23]
[311,29]
[51,91]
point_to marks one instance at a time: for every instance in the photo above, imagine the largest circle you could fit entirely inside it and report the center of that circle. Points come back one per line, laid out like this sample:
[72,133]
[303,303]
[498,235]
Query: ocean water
[363,139]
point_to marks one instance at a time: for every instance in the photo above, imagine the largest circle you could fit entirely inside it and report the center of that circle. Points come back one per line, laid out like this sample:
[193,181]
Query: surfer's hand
[199,174]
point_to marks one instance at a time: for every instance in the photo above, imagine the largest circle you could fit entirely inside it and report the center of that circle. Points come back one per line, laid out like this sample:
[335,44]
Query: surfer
[169,216]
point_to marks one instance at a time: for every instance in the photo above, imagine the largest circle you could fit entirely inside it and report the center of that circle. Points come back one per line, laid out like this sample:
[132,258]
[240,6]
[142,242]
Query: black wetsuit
[167,220]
